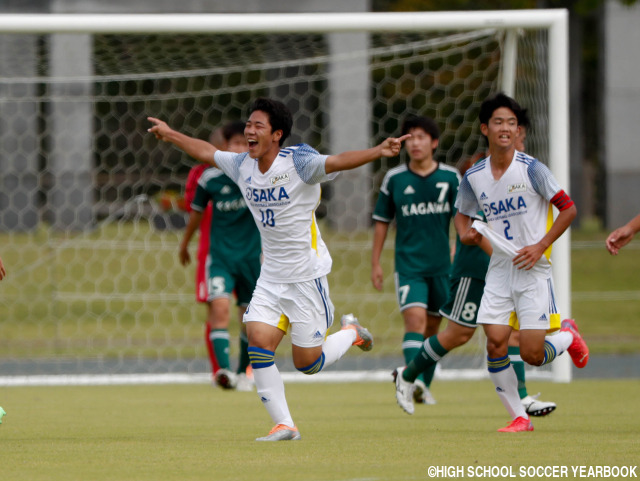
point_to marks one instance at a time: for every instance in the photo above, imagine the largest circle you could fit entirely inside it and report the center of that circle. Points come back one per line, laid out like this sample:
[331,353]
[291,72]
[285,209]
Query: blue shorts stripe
[324,302]
[552,299]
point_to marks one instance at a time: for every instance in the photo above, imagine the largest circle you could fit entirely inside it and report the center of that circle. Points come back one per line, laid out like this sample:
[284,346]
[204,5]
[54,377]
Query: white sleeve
[310,164]
[543,181]
[466,201]
[229,163]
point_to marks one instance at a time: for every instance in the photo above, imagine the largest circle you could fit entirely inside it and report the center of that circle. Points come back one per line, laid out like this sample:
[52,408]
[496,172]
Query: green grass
[349,432]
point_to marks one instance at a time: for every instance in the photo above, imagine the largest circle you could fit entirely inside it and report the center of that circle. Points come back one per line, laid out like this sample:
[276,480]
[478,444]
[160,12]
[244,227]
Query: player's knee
[313,368]
[454,336]
[415,320]
[495,350]
[415,325]
[532,358]
[219,318]
[453,342]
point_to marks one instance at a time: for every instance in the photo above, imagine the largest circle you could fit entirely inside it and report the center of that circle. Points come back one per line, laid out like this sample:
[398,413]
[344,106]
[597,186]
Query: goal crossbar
[281,22]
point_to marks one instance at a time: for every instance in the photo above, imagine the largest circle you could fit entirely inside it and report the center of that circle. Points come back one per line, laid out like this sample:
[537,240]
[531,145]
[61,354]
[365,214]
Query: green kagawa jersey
[469,261]
[423,207]
[234,235]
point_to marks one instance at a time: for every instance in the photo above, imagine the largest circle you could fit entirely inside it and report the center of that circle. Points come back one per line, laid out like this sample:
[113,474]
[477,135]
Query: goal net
[91,209]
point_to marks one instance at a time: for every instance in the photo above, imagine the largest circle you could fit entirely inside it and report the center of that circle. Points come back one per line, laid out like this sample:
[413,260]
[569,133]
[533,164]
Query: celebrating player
[515,192]
[282,191]
[420,196]
[228,256]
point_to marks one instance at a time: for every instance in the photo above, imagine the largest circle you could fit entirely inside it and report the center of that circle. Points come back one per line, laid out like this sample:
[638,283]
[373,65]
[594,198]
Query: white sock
[270,389]
[560,341]
[336,345]
[506,384]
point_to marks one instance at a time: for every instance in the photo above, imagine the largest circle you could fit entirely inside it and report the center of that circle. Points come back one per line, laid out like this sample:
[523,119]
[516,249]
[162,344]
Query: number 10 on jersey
[267,218]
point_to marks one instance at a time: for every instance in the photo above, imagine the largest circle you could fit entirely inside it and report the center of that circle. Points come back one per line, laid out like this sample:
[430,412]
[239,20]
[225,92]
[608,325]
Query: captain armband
[562,200]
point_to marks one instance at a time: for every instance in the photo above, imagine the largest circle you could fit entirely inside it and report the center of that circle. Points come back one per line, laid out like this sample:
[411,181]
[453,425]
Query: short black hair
[279,115]
[492,104]
[425,123]
[524,121]
[235,127]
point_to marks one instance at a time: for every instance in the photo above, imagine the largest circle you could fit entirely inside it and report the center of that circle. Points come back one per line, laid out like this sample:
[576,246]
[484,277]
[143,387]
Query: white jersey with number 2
[517,206]
[283,202]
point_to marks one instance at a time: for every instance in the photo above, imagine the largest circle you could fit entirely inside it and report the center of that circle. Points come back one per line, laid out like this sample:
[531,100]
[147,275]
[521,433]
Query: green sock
[411,345]
[518,367]
[427,375]
[220,341]
[428,356]
[243,361]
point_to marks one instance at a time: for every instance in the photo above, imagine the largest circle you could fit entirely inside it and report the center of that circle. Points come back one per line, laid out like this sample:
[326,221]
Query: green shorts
[462,306]
[429,293]
[225,277]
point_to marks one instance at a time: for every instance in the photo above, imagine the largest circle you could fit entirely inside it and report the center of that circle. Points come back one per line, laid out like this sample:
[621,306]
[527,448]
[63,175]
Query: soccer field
[349,432]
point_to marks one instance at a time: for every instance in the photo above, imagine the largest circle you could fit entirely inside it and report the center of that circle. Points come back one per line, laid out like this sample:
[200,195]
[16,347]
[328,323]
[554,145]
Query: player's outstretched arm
[196,148]
[623,235]
[3,272]
[355,158]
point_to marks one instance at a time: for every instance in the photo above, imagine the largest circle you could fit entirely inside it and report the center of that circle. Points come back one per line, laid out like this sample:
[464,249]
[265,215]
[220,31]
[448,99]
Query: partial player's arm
[379,236]
[195,218]
[3,272]
[355,158]
[196,148]
[623,235]
[546,186]
[470,236]
[529,255]
[466,201]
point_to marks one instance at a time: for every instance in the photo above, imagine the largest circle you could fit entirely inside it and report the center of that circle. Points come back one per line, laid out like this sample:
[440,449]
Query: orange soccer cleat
[578,350]
[518,425]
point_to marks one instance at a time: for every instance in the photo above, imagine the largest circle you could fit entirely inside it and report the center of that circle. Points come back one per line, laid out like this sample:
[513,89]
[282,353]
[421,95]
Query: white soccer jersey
[517,206]
[283,202]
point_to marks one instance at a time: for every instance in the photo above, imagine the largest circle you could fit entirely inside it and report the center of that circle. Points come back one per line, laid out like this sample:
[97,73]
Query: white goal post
[76,246]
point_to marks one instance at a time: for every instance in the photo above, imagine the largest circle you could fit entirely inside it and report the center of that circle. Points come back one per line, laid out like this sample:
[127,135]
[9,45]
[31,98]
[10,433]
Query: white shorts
[529,294]
[305,307]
